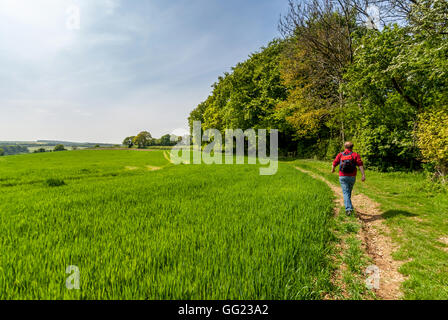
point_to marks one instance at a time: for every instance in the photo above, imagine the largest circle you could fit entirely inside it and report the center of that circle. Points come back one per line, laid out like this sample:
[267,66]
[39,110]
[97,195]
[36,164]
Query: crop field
[138,227]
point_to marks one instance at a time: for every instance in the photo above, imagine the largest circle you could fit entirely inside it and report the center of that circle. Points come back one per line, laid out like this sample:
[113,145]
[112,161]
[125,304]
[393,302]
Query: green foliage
[382,119]
[332,79]
[143,139]
[129,141]
[59,147]
[247,97]
[13,149]
[312,66]
[396,75]
[433,139]
[166,141]
[52,182]
[2,152]
[40,150]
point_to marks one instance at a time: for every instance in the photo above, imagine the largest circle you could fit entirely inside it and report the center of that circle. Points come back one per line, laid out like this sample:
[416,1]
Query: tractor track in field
[376,242]
[166,156]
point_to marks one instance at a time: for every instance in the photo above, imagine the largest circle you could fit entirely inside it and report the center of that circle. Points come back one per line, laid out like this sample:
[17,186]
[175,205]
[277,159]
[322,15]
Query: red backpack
[348,163]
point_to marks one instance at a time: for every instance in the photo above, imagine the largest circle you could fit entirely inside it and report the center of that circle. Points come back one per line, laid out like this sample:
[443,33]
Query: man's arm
[360,164]
[361,168]
[335,163]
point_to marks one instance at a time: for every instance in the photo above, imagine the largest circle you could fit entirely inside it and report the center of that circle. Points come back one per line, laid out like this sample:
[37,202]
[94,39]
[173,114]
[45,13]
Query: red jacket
[355,156]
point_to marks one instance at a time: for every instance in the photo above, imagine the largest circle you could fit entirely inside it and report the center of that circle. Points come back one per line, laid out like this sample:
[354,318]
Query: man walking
[348,161]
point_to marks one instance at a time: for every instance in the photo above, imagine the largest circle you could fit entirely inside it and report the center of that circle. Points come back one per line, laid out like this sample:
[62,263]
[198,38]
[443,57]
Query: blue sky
[132,65]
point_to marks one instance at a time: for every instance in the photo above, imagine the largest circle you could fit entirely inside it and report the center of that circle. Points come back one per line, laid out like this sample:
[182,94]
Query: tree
[14,149]
[143,139]
[248,96]
[312,104]
[40,150]
[198,113]
[341,74]
[321,48]
[397,81]
[59,147]
[166,140]
[2,152]
[433,140]
[129,141]
[384,103]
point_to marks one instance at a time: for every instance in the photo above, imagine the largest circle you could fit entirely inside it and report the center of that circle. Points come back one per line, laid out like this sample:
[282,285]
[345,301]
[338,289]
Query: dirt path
[375,240]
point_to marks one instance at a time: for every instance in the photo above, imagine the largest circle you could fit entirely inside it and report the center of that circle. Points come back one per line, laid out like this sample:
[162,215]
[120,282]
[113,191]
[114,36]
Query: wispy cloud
[132,65]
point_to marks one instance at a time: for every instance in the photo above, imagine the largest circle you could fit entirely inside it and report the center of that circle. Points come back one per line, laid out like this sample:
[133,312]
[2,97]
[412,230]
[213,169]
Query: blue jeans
[347,184]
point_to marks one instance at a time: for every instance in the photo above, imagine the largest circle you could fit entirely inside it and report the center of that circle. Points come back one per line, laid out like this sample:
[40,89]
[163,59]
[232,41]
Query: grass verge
[416,212]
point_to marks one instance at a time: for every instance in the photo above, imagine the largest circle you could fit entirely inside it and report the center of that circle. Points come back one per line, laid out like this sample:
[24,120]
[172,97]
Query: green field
[181,232]
[139,227]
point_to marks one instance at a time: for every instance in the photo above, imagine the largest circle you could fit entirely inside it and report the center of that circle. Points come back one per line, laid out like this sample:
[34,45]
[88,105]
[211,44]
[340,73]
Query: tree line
[144,139]
[341,73]
[57,148]
[8,150]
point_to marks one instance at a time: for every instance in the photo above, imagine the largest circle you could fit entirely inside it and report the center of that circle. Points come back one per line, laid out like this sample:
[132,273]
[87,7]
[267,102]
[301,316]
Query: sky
[102,70]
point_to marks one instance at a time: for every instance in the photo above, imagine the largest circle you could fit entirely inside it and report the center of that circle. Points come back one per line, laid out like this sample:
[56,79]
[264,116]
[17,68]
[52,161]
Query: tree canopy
[129,141]
[143,139]
[336,75]
[59,147]
[13,149]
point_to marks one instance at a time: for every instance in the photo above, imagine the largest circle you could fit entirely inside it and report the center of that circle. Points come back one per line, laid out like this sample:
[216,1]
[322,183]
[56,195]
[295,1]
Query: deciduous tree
[143,139]
[129,141]
[59,147]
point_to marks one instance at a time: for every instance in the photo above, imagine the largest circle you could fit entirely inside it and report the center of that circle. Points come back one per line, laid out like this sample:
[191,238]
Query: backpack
[348,163]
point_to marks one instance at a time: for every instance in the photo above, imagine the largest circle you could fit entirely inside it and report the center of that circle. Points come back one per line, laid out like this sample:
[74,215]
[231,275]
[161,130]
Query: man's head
[349,145]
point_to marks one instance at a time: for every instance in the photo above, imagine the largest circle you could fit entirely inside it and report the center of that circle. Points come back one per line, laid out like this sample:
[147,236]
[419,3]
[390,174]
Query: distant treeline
[339,75]
[145,139]
[6,150]
[53,143]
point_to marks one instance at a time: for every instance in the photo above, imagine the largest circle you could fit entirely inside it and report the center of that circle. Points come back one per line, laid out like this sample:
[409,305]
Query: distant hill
[51,143]
[73,144]
[17,147]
